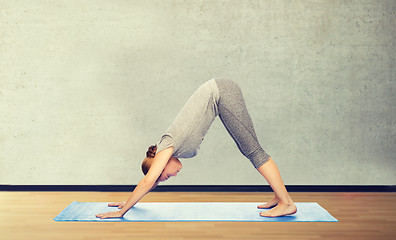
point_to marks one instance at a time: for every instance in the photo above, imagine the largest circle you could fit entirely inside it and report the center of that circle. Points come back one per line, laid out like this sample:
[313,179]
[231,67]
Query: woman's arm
[155,184]
[146,184]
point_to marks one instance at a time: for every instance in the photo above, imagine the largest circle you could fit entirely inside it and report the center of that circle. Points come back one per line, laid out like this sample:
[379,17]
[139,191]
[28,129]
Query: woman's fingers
[101,215]
[121,206]
[115,214]
[115,204]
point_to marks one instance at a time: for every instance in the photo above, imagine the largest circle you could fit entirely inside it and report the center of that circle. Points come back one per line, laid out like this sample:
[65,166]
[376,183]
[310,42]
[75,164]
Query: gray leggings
[237,121]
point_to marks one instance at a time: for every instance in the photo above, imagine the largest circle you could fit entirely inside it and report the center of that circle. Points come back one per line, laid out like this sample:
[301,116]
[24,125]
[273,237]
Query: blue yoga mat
[192,212]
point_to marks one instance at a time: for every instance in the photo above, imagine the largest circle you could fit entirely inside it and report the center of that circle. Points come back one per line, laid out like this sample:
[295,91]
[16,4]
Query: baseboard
[200,188]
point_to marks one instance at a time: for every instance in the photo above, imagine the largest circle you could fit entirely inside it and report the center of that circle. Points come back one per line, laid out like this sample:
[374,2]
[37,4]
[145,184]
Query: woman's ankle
[286,201]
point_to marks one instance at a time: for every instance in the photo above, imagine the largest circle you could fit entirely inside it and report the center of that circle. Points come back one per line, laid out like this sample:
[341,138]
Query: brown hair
[147,162]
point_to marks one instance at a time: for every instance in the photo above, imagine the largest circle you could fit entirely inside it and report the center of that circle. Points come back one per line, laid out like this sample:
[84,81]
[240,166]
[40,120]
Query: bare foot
[269,204]
[281,210]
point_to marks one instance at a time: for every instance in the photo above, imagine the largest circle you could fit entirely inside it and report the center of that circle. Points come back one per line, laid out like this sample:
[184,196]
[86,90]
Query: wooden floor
[28,215]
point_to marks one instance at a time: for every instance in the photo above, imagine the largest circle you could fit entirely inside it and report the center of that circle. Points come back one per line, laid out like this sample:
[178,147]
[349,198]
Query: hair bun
[151,151]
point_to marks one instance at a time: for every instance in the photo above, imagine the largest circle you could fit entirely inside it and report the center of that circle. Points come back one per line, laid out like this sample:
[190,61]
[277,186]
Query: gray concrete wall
[87,86]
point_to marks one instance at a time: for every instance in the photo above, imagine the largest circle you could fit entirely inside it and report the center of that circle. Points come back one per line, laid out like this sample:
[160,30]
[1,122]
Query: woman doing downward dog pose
[216,97]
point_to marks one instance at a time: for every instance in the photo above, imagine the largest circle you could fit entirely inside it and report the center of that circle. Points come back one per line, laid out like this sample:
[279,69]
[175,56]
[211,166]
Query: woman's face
[171,169]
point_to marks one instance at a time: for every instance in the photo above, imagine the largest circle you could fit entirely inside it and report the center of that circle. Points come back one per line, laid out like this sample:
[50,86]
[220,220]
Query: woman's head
[148,161]
[171,169]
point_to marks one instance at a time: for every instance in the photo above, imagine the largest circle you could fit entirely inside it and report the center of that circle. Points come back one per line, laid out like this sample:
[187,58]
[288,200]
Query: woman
[216,97]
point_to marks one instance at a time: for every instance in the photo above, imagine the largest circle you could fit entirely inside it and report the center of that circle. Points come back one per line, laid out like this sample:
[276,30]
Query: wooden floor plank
[28,215]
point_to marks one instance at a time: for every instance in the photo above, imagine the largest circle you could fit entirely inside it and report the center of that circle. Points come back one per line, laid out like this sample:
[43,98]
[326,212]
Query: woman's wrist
[122,212]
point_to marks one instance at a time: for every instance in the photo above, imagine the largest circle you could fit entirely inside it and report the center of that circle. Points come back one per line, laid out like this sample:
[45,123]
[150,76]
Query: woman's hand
[116,204]
[116,214]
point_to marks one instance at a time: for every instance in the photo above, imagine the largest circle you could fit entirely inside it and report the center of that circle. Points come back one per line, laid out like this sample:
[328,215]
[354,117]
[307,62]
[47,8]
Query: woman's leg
[237,121]
[282,199]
